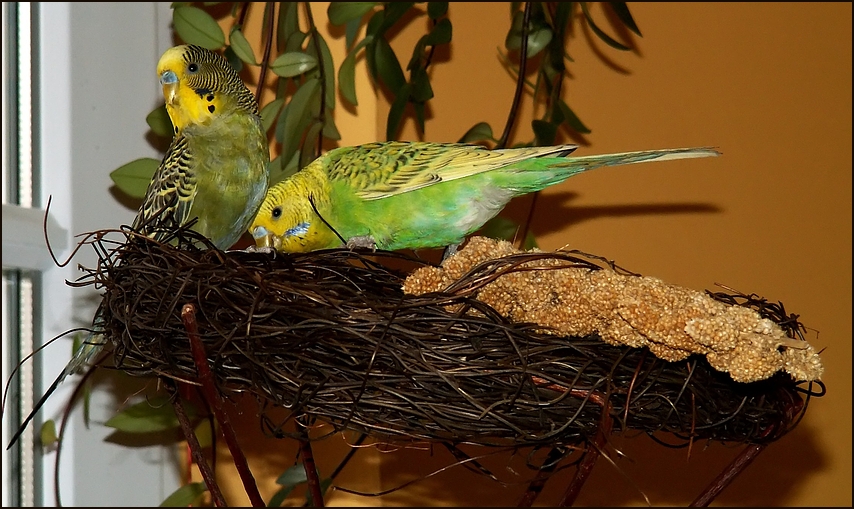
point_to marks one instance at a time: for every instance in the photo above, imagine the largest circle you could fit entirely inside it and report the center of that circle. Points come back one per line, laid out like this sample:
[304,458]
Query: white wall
[97,86]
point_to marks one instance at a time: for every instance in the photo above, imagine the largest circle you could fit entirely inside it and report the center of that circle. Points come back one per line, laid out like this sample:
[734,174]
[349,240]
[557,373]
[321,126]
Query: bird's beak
[169,82]
[264,238]
[259,232]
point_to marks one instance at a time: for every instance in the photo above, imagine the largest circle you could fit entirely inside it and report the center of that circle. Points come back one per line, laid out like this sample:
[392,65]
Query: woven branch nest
[332,335]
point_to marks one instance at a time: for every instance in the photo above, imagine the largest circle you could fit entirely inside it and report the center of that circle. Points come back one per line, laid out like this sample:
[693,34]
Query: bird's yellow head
[287,219]
[199,85]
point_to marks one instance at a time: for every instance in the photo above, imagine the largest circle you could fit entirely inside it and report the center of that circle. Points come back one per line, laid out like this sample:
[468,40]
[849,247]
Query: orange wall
[769,84]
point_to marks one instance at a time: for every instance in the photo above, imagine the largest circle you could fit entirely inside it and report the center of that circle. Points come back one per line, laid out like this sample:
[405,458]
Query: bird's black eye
[193,67]
[277,212]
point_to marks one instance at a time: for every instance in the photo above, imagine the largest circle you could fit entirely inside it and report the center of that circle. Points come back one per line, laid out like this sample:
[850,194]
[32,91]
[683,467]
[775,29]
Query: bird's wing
[380,170]
[170,194]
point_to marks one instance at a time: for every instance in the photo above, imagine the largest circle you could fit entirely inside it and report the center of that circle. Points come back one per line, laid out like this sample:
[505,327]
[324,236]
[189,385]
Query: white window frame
[94,82]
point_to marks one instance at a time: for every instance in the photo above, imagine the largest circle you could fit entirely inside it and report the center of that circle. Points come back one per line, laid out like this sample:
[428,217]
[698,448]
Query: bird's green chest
[229,163]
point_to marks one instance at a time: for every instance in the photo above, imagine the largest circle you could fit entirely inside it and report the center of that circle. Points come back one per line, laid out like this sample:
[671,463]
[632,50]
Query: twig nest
[331,334]
[625,309]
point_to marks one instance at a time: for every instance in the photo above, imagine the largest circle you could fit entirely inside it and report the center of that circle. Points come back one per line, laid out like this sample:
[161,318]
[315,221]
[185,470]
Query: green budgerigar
[397,195]
[214,172]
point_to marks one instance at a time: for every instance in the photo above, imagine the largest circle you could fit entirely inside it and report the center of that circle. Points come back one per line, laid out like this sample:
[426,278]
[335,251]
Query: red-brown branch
[196,449]
[188,315]
[311,475]
[600,440]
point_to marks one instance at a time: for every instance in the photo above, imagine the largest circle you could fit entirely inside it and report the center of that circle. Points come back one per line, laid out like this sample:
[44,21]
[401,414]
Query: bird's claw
[363,241]
[260,249]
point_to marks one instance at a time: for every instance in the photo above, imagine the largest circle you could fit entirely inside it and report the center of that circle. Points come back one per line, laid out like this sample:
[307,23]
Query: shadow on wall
[667,476]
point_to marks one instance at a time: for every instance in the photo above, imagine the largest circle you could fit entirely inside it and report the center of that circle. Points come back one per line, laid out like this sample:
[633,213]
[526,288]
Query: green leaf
[290,168]
[340,13]
[185,495]
[351,31]
[146,417]
[296,116]
[554,59]
[388,67]
[295,40]
[293,476]
[232,58]
[293,63]
[374,23]
[544,131]
[347,78]
[478,132]
[502,228]
[133,178]
[204,433]
[371,30]
[563,16]
[330,131]
[328,70]
[622,12]
[47,434]
[274,168]
[309,144]
[195,26]
[436,10]
[421,89]
[513,40]
[279,497]
[530,242]
[287,24]
[269,113]
[347,73]
[602,35]
[538,38]
[241,47]
[441,33]
[419,108]
[393,12]
[395,113]
[159,122]
[417,55]
[280,123]
[571,119]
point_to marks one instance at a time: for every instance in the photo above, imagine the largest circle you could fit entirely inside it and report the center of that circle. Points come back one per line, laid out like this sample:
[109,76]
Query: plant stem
[322,115]
[188,315]
[535,487]
[269,7]
[195,448]
[744,458]
[520,81]
[311,475]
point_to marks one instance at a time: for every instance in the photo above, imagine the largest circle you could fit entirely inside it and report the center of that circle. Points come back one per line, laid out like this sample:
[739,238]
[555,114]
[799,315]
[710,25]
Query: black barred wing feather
[170,194]
[379,170]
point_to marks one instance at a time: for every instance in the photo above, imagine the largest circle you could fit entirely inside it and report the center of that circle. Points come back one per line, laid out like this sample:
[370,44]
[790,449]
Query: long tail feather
[585,163]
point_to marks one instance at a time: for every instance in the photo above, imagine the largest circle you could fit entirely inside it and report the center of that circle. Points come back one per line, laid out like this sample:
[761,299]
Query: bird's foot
[260,249]
[450,250]
[365,241]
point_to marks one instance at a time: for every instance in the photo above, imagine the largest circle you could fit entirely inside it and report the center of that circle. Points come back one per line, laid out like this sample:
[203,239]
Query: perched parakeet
[215,169]
[397,195]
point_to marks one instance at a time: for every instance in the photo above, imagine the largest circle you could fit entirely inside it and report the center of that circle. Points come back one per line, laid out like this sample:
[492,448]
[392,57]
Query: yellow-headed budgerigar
[214,172]
[397,195]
